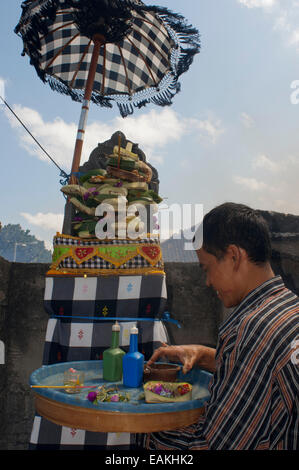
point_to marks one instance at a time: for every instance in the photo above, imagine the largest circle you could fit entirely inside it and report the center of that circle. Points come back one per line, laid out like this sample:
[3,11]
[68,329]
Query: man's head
[236,224]
[235,251]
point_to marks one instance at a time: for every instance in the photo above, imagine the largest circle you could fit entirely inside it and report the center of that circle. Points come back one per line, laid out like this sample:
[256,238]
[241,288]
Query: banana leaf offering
[123,185]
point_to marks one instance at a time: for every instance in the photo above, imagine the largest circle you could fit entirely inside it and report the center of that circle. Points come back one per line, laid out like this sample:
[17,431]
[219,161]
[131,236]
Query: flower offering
[156,392]
[111,394]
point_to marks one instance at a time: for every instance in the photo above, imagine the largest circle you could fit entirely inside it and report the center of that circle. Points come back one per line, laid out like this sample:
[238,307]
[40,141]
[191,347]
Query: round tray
[135,416]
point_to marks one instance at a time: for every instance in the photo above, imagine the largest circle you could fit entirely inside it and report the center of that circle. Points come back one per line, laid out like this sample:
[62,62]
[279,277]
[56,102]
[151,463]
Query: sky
[231,134]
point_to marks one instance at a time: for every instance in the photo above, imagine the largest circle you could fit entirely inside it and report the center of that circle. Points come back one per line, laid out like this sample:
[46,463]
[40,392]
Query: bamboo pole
[98,40]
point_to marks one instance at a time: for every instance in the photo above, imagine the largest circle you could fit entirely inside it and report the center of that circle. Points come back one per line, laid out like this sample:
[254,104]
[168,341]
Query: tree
[18,245]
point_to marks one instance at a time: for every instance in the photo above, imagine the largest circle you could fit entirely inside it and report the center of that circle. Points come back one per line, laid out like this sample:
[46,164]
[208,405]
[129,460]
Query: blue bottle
[133,362]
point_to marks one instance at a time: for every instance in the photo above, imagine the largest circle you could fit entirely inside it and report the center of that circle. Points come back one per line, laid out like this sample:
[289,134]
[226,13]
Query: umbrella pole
[98,40]
[69,208]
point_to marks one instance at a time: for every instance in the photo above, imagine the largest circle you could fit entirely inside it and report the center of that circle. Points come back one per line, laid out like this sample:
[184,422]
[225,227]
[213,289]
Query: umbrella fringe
[76,95]
[186,60]
[125,109]
[125,104]
[56,85]
[162,98]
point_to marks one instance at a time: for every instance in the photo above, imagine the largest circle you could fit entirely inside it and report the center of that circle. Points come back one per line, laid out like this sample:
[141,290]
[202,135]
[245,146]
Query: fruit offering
[156,392]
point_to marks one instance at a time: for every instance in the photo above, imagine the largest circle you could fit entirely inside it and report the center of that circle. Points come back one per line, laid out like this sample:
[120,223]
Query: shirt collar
[258,295]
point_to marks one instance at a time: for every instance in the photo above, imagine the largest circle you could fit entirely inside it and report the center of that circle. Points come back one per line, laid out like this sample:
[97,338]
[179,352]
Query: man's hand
[189,355]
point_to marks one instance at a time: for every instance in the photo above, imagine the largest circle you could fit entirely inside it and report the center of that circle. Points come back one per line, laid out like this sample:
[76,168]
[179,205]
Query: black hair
[237,224]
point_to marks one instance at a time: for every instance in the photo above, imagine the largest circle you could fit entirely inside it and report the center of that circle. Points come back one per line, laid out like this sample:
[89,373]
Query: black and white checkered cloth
[66,54]
[76,332]
[66,240]
[108,296]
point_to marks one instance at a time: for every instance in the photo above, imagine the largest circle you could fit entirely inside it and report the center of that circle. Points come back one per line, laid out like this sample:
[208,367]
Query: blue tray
[93,371]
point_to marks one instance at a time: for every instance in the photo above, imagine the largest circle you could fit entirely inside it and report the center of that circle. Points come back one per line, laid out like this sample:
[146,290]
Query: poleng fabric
[100,297]
[254,402]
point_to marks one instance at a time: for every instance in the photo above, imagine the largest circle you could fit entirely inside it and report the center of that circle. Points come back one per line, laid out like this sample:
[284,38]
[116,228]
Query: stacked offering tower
[107,266]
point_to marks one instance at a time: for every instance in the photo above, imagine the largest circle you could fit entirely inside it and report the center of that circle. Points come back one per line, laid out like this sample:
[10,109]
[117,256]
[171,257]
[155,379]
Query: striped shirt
[254,403]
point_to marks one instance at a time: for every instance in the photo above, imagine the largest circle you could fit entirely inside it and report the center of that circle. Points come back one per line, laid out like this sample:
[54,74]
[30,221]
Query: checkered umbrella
[107,50]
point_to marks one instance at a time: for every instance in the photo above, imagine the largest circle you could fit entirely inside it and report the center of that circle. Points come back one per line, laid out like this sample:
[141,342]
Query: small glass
[75,379]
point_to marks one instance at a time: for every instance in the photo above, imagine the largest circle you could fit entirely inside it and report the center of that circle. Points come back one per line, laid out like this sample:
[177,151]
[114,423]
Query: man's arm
[239,404]
[190,355]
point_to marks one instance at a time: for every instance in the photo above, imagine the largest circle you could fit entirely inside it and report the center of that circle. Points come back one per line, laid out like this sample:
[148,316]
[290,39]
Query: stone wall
[23,321]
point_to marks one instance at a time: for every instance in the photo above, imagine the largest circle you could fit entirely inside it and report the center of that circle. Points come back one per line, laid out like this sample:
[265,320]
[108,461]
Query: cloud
[284,14]
[264,162]
[44,225]
[46,221]
[258,3]
[209,129]
[153,131]
[274,183]
[250,183]
[247,120]
[56,137]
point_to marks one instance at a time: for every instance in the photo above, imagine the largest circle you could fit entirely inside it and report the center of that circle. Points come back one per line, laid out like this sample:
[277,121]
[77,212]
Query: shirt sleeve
[237,413]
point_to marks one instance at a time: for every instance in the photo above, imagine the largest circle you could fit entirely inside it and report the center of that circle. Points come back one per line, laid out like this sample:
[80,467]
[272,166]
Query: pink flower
[90,192]
[158,389]
[115,398]
[92,396]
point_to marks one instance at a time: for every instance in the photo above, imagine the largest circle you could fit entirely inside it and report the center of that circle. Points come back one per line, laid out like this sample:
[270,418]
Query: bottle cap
[134,330]
[116,327]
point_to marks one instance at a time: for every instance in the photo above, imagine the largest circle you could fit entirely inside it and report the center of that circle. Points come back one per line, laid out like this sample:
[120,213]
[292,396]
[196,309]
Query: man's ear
[236,255]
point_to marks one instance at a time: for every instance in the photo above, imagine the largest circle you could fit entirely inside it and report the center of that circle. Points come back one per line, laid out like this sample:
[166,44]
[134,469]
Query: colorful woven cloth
[72,255]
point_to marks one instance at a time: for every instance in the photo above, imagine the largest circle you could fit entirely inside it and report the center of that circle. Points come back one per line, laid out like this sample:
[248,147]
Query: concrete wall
[22,329]
[23,324]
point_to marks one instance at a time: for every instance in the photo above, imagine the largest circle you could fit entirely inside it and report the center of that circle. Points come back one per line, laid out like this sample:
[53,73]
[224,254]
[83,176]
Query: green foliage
[18,245]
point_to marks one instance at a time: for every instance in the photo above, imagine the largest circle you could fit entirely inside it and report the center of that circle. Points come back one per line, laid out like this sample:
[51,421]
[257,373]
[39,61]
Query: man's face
[222,276]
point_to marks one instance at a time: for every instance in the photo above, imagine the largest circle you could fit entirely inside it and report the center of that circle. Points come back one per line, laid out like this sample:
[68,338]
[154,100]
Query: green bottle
[113,358]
